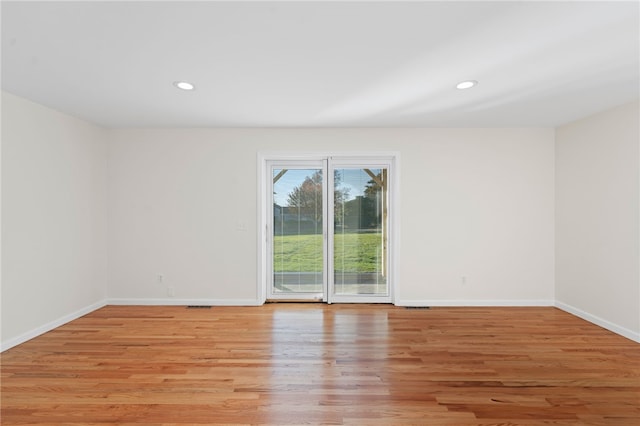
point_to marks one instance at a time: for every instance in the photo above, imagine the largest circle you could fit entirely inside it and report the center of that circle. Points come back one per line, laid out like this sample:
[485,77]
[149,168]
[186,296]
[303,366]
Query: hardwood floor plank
[284,364]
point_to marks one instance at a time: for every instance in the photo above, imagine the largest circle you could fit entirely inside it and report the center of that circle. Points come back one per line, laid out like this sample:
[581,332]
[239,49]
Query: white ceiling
[323,64]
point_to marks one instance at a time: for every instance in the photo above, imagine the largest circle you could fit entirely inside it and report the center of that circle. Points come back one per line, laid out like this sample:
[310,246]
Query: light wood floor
[316,364]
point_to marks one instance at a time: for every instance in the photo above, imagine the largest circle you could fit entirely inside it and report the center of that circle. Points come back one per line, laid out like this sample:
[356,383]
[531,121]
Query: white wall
[53,218]
[597,219]
[474,202]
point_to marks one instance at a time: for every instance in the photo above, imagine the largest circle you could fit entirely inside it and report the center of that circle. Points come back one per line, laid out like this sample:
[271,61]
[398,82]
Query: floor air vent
[198,307]
[417,307]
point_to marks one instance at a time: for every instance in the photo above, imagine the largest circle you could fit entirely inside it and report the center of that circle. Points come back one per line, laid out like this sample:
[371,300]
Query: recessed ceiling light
[466,84]
[183,85]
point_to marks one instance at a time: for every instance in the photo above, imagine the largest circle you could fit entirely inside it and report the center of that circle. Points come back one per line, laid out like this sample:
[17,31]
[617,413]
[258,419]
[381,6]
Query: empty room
[342,213]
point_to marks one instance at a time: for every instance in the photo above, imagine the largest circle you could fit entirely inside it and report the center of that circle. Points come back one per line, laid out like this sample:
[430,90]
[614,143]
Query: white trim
[476,303]
[360,299]
[261,227]
[321,155]
[394,225]
[184,302]
[8,344]
[622,331]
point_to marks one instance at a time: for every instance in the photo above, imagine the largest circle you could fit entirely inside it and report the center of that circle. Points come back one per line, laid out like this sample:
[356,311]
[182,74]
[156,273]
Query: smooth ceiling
[323,64]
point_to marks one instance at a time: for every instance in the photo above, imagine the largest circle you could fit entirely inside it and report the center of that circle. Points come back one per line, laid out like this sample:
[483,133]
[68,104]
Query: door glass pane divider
[325,236]
[330,234]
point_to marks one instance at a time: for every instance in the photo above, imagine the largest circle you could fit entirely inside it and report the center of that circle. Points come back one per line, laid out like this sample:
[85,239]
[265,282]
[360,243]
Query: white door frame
[389,159]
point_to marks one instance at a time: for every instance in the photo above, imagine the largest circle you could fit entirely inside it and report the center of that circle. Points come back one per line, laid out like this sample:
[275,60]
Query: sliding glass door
[329,230]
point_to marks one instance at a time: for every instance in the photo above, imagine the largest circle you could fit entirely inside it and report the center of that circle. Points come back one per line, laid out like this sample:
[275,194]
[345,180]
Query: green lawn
[302,253]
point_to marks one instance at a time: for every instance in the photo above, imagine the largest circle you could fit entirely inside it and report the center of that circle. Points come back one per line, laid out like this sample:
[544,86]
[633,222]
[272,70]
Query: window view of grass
[355,252]
[358,207]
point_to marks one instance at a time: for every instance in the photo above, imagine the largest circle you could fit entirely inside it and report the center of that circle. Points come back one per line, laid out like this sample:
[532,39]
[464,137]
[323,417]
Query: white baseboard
[15,341]
[622,331]
[473,303]
[185,302]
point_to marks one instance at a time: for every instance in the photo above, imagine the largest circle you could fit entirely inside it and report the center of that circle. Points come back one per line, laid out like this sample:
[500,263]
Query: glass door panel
[360,232]
[297,243]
